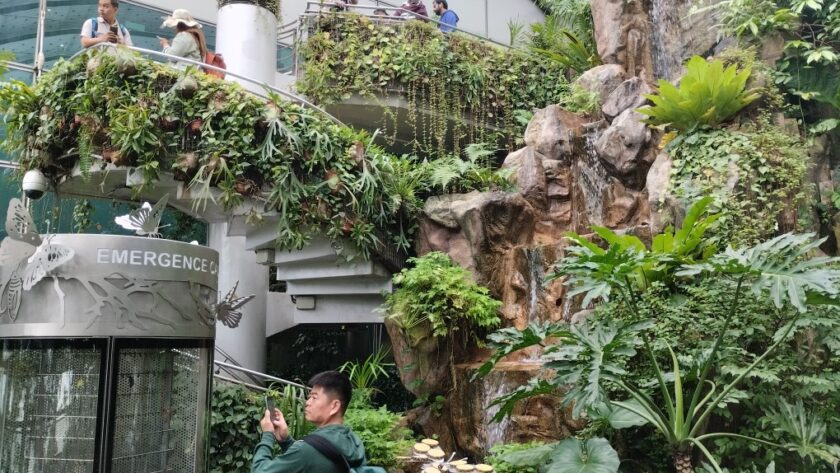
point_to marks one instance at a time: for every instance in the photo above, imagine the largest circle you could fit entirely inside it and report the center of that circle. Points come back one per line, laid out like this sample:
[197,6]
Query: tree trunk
[682,462]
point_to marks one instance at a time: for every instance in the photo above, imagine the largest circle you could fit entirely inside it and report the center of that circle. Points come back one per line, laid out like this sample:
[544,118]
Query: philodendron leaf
[592,456]
[617,416]
[536,456]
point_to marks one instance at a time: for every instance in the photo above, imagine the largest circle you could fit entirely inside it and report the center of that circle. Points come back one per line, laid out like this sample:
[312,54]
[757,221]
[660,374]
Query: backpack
[215,59]
[94,28]
[327,449]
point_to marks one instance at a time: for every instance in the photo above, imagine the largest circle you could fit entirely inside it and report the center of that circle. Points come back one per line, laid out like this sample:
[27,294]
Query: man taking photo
[322,451]
[105,28]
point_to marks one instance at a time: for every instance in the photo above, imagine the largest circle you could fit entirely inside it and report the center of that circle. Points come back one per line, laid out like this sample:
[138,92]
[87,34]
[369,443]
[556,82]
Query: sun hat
[179,15]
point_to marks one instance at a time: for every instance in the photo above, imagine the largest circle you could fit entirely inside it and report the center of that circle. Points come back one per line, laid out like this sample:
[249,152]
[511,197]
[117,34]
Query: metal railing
[158,54]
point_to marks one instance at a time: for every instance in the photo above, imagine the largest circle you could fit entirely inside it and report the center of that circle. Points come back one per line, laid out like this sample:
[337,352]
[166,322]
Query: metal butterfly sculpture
[146,219]
[227,310]
[37,260]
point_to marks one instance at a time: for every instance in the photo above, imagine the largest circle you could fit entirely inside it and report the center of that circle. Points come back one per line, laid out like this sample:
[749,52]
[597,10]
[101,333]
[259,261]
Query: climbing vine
[473,88]
[317,176]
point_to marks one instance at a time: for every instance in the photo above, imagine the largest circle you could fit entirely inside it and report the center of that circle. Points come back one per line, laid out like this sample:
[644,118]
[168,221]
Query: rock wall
[571,174]
[652,38]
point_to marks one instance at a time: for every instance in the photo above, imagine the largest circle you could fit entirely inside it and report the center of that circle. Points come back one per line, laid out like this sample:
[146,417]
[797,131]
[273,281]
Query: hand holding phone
[114,34]
[270,406]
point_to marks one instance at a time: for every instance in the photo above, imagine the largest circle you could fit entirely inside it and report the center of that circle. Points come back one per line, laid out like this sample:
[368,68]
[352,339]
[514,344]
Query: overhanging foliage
[453,75]
[317,176]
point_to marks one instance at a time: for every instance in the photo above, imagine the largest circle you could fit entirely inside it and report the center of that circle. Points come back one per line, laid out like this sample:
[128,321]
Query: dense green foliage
[756,174]
[708,94]
[810,29]
[436,297]
[496,459]
[384,439]
[363,375]
[234,429]
[594,455]
[228,144]
[477,85]
[615,362]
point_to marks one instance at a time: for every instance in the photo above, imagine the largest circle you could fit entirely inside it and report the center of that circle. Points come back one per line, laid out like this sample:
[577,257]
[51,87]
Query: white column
[246,35]
[246,343]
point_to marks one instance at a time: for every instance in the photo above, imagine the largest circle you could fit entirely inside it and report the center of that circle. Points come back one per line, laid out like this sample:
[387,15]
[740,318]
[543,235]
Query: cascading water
[495,431]
[534,258]
[592,180]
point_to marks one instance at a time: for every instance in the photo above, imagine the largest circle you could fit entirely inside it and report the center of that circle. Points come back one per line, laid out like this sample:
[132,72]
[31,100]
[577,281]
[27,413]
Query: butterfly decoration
[146,219]
[227,310]
[38,260]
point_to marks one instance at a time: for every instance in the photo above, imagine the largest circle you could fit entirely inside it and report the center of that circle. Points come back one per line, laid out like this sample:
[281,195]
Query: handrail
[295,98]
[320,11]
[261,375]
[5,163]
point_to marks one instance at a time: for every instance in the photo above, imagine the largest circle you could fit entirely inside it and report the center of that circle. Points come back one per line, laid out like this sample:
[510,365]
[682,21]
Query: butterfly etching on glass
[146,219]
[227,310]
[36,261]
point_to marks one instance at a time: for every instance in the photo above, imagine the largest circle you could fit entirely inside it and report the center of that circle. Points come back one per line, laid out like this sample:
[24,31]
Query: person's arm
[127,38]
[293,460]
[181,44]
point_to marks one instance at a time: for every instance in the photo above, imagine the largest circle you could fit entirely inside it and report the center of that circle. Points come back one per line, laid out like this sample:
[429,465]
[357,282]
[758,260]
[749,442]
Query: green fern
[708,95]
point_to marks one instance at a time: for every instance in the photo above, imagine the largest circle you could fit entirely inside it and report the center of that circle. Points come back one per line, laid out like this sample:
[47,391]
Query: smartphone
[115,29]
[269,404]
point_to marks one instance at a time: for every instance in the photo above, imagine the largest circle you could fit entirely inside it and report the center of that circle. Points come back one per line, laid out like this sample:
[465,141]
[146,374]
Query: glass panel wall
[49,393]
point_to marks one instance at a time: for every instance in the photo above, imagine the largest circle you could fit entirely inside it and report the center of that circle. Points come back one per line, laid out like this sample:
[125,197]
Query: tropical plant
[5,56]
[496,459]
[382,434]
[594,455]
[708,94]
[452,174]
[364,375]
[436,298]
[593,357]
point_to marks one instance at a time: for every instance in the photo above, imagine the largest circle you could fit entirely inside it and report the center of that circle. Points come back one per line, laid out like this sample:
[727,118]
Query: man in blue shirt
[448,19]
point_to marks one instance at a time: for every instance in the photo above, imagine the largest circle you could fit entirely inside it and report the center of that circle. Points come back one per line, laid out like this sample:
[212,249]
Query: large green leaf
[782,268]
[536,456]
[591,356]
[575,456]
[619,417]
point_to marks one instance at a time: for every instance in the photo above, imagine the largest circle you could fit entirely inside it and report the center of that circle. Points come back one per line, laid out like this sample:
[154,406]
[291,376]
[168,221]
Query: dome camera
[34,184]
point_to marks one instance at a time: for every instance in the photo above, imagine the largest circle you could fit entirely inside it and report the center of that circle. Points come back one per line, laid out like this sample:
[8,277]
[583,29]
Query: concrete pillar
[246,35]
[246,343]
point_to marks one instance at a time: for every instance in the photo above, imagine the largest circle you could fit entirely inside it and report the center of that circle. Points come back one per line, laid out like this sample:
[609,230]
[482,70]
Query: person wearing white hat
[189,40]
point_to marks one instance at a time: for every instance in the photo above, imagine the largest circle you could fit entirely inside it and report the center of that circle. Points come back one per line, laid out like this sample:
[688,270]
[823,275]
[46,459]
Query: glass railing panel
[65,18]
[18,27]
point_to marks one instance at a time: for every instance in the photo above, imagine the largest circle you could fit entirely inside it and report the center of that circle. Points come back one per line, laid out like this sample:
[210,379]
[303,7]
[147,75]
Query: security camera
[34,184]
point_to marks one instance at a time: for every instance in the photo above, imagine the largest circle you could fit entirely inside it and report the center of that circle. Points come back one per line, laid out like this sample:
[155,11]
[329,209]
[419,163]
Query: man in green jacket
[325,407]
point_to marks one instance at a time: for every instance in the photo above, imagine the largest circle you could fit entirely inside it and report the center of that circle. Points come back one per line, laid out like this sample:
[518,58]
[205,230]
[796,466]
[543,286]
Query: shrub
[438,292]
[755,174]
[234,428]
[708,95]
[381,433]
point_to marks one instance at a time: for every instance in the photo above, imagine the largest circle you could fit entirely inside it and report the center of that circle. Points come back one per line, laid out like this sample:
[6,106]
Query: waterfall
[494,388]
[592,180]
[534,257]
[664,15]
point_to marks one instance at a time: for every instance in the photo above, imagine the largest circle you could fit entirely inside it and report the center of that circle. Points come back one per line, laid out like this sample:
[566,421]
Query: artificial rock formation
[652,38]
[570,175]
